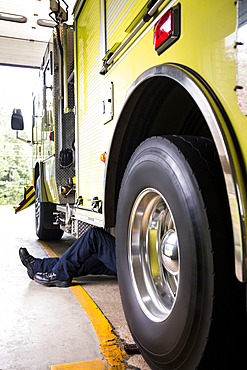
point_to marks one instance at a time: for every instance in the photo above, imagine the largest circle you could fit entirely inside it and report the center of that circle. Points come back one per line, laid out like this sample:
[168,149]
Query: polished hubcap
[169,252]
[154,255]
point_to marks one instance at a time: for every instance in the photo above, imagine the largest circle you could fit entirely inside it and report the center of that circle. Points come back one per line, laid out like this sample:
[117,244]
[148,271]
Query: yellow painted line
[47,249]
[109,342]
[87,365]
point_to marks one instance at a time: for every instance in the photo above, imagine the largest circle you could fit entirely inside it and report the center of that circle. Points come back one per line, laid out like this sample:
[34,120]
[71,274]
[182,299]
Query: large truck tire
[175,257]
[45,229]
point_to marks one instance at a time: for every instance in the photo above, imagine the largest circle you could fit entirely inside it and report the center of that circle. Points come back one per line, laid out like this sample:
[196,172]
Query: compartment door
[89,102]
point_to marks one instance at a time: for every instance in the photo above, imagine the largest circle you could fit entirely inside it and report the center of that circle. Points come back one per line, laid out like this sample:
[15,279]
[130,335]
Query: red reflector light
[167,29]
[163,29]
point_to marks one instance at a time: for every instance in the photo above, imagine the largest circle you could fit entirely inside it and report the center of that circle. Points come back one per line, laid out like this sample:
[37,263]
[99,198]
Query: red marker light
[167,29]
[163,29]
[51,136]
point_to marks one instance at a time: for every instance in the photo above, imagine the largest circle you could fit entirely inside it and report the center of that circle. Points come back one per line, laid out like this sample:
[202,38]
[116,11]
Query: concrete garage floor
[41,327]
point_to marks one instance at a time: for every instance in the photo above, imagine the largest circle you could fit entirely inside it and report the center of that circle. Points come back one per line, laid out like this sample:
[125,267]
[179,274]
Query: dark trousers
[93,253]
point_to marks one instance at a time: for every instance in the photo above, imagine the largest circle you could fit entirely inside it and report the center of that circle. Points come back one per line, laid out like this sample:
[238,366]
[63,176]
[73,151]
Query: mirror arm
[24,140]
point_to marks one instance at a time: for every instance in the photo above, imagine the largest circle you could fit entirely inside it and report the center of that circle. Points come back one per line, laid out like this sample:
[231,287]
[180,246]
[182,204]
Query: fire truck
[140,128]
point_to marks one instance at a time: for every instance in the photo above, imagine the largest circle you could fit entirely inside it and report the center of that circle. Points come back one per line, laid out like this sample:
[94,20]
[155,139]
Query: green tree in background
[15,163]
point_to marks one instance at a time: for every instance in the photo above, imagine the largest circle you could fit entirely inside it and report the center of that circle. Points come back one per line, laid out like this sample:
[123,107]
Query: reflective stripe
[29,199]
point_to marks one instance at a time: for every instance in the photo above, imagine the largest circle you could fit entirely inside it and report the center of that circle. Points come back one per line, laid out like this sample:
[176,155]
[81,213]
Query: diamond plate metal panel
[68,119]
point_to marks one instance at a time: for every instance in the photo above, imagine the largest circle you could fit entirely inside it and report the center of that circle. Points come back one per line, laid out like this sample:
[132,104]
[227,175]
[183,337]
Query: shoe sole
[58,284]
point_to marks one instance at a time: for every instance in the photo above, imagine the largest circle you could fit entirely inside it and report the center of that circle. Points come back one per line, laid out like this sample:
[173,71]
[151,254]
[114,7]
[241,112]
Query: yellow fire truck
[140,127]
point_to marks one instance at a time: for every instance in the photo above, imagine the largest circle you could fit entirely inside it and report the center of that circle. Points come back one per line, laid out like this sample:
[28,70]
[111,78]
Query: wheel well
[157,106]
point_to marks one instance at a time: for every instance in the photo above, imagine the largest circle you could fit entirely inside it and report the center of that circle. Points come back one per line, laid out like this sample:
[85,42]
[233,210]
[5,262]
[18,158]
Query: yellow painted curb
[109,343]
[87,365]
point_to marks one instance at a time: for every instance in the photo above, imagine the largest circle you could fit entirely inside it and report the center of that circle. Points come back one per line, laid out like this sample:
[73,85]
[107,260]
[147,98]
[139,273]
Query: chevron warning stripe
[29,198]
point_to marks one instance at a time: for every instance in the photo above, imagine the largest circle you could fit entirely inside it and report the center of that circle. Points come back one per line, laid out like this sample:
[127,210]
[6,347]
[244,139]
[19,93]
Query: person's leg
[45,264]
[93,266]
[94,241]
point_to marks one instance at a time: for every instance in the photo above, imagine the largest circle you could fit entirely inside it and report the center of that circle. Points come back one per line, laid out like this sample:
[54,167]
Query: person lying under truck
[92,254]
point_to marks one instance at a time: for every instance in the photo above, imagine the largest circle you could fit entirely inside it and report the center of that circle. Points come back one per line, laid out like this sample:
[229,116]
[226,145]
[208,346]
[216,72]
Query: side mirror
[17,122]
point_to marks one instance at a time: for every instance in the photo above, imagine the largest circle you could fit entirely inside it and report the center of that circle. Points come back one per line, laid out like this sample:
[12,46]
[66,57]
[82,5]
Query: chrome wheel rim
[153,255]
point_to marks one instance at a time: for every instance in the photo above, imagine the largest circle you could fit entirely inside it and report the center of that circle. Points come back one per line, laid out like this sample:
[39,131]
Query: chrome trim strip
[213,118]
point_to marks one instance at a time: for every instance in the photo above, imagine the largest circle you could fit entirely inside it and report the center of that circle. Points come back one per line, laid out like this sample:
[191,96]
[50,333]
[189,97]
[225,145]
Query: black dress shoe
[51,279]
[28,261]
